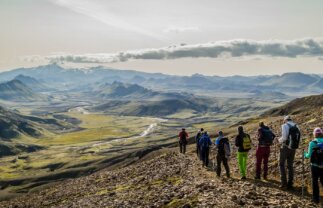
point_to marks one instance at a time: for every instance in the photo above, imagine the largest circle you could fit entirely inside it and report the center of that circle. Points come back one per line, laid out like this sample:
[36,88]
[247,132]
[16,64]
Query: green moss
[102,192]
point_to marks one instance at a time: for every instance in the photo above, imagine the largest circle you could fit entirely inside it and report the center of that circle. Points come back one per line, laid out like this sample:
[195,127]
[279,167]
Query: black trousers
[222,159]
[317,174]
[286,155]
[182,147]
[205,156]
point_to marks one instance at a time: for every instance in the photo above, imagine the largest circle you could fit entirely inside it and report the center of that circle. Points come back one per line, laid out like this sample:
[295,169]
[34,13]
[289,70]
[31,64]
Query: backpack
[183,138]
[198,137]
[317,155]
[267,137]
[294,137]
[224,147]
[246,142]
[205,141]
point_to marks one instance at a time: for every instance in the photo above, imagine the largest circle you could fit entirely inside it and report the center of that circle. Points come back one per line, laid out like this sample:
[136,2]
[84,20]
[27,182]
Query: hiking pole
[275,146]
[303,172]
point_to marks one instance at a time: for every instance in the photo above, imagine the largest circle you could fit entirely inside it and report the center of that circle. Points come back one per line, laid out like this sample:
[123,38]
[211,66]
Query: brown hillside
[298,105]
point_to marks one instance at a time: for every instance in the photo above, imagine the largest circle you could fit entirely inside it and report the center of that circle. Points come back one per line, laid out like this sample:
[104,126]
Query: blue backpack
[205,140]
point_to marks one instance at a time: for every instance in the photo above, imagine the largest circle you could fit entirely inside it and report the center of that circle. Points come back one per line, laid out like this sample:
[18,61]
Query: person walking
[204,144]
[223,154]
[265,140]
[182,140]
[243,142]
[315,153]
[197,139]
[289,142]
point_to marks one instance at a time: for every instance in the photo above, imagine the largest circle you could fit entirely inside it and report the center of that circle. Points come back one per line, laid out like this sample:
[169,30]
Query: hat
[317,131]
[287,118]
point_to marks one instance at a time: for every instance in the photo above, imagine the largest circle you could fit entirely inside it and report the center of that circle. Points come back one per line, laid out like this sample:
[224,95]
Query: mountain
[310,103]
[291,80]
[318,85]
[32,83]
[152,108]
[15,90]
[63,78]
[121,90]
[270,95]
[124,91]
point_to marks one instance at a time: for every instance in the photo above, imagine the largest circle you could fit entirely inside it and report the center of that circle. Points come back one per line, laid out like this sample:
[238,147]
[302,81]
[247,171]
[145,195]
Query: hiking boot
[257,178]
[265,178]
[243,178]
[290,187]
[283,186]
[315,201]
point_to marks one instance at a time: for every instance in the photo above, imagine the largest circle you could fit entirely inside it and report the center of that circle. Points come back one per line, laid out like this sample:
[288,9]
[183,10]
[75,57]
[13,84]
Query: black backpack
[224,147]
[183,138]
[294,137]
[267,137]
[198,137]
[317,155]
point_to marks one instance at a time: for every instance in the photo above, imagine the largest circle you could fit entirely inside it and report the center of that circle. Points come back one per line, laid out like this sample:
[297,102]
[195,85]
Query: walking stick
[303,171]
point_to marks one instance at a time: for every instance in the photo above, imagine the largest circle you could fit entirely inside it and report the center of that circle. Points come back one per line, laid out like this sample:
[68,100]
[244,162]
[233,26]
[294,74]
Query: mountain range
[56,76]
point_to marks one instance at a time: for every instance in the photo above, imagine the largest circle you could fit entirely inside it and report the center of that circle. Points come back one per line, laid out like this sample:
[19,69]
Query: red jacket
[181,134]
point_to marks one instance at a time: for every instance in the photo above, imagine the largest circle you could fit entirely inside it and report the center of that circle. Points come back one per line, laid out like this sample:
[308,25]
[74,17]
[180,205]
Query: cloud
[101,14]
[173,29]
[310,47]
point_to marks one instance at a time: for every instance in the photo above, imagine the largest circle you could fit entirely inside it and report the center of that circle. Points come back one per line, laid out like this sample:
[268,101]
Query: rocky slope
[168,180]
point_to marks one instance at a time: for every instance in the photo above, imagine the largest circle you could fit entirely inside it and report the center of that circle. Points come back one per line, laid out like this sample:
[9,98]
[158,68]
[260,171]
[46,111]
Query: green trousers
[242,160]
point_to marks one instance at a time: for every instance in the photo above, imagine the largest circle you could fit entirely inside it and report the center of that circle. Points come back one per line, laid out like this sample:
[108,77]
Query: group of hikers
[289,142]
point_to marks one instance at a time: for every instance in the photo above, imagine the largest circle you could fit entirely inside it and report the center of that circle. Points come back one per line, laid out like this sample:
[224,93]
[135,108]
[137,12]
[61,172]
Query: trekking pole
[275,171]
[303,172]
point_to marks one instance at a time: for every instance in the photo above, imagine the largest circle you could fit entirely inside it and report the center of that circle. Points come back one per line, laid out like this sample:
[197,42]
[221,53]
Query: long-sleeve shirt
[285,132]
[180,135]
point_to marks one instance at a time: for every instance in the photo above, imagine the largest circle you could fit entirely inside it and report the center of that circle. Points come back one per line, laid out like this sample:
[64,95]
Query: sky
[183,37]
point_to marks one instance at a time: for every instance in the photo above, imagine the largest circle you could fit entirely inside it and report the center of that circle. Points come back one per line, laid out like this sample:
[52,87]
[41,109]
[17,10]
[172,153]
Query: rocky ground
[168,180]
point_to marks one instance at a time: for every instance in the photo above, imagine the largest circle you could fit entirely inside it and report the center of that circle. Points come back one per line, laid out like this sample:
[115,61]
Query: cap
[317,131]
[287,118]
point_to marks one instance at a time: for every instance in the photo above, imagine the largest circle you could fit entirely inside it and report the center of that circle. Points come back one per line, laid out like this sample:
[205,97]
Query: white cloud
[310,47]
[173,29]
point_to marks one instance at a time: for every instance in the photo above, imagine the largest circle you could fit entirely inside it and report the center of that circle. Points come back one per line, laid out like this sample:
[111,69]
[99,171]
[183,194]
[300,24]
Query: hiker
[315,152]
[197,138]
[265,140]
[204,144]
[223,154]
[243,142]
[289,142]
[182,140]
